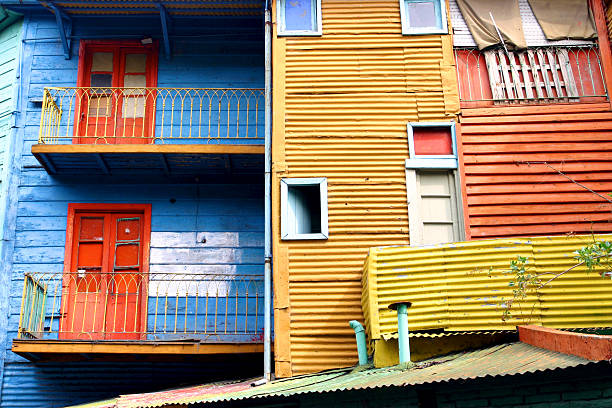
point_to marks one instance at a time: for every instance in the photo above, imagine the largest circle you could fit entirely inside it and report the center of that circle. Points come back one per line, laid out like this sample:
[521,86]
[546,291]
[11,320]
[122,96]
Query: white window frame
[283,32]
[422,161]
[285,184]
[431,163]
[407,30]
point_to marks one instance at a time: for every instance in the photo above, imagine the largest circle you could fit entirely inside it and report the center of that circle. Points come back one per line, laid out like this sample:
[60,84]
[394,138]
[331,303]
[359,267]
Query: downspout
[360,337]
[268,197]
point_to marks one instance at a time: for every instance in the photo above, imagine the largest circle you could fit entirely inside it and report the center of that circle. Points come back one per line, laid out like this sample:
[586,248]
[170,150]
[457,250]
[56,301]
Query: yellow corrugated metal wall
[341,105]
[460,286]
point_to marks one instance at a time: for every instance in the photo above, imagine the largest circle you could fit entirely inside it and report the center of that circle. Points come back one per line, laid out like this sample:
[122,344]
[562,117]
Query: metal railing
[558,74]
[142,306]
[87,115]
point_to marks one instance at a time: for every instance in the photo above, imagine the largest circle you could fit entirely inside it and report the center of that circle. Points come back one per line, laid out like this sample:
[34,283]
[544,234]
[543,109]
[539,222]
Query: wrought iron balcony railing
[86,115]
[558,74]
[142,306]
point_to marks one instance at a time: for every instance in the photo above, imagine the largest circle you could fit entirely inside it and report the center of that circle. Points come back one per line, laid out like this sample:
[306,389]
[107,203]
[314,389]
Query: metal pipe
[402,330]
[268,197]
[360,337]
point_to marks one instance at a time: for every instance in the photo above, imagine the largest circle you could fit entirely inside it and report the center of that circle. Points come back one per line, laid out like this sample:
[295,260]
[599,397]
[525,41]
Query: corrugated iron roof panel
[500,360]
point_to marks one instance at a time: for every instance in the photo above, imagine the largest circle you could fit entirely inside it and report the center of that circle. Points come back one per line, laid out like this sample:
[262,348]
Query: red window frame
[87,48]
[144,209]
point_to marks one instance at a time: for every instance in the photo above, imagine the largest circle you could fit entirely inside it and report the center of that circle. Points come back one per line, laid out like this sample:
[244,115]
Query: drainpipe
[361,341]
[402,330]
[267,194]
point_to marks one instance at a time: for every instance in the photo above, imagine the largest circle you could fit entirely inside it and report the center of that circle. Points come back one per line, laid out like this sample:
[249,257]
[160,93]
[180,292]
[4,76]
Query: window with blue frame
[299,17]
[423,17]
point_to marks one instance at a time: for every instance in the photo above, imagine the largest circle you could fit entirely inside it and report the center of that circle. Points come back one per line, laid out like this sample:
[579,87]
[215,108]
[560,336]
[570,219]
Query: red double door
[105,289]
[116,101]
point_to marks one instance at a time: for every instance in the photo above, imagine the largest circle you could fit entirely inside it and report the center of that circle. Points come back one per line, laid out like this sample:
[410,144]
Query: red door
[105,288]
[115,99]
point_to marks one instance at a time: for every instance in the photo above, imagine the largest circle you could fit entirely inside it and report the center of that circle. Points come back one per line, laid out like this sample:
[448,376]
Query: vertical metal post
[402,330]
[267,194]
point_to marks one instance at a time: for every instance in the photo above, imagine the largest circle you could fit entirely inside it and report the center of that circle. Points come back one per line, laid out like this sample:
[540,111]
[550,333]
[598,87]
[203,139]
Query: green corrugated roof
[500,360]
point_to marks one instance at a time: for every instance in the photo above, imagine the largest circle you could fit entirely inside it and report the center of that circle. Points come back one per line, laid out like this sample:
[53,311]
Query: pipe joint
[360,337]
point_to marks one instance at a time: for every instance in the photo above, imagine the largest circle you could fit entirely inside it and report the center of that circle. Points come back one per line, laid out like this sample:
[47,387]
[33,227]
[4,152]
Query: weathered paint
[10,36]
[341,105]
[184,209]
[462,286]
[526,169]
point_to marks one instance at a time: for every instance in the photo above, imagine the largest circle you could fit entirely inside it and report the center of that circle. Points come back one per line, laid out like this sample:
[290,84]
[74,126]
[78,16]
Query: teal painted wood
[229,215]
[10,46]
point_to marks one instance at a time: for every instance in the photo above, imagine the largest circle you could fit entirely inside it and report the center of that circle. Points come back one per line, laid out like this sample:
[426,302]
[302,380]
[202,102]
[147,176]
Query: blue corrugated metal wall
[217,56]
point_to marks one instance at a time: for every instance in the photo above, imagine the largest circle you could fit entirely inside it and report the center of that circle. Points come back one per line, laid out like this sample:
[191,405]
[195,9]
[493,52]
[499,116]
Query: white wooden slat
[526,80]
[554,68]
[535,72]
[494,77]
[516,79]
[566,72]
[508,84]
[544,70]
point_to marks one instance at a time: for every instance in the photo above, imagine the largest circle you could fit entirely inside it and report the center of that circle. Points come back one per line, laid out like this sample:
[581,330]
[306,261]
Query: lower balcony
[168,131]
[88,315]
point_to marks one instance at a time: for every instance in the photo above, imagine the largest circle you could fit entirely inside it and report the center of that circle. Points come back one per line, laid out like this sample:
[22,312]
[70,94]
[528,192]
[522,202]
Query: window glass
[102,61]
[299,15]
[422,14]
[136,81]
[101,80]
[135,63]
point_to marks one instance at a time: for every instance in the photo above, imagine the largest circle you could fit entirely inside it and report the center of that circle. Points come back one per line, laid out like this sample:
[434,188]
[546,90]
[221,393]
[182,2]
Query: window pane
[136,81]
[102,61]
[421,14]
[99,106]
[300,15]
[135,63]
[134,107]
[101,80]
[305,209]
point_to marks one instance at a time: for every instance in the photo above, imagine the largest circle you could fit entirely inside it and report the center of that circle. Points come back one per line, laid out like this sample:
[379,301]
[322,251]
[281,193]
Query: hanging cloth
[563,19]
[477,16]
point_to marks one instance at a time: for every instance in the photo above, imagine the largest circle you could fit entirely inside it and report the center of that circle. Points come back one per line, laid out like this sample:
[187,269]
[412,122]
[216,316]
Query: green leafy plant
[596,256]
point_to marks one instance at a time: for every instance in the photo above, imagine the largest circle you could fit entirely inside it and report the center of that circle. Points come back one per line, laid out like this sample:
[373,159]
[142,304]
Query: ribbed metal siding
[348,97]
[511,192]
[460,286]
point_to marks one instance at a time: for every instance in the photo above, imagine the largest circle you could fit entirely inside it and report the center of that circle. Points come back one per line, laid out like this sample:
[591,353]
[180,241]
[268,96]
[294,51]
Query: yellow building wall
[341,104]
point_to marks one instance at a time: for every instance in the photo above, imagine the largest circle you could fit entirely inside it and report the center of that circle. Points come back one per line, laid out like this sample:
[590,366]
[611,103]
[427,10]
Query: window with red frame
[115,92]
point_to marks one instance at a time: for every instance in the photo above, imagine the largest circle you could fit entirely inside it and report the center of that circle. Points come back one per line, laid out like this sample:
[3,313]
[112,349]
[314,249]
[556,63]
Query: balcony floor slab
[129,350]
[169,160]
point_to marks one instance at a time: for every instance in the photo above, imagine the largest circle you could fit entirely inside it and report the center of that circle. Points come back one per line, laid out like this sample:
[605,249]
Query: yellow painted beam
[37,347]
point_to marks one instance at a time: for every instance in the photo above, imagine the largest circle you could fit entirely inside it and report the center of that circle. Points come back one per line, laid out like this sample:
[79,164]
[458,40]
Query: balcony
[538,75]
[166,131]
[127,315]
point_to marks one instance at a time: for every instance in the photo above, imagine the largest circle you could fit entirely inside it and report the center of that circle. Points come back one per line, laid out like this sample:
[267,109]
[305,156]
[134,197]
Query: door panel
[104,290]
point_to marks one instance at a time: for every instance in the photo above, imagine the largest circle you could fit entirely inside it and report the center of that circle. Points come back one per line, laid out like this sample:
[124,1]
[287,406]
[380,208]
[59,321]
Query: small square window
[423,17]
[304,208]
[432,145]
[299,17]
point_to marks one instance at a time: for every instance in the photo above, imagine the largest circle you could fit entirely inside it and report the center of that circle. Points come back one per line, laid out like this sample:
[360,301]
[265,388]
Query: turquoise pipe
[402,329]
[360,336]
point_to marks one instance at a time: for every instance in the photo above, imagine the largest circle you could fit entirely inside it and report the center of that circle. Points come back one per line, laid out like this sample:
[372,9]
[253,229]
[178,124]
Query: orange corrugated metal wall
[511,160]
[341,105]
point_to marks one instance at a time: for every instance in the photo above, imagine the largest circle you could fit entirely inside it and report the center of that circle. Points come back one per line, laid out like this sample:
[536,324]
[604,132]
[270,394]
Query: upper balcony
[171,131]
[537,75]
